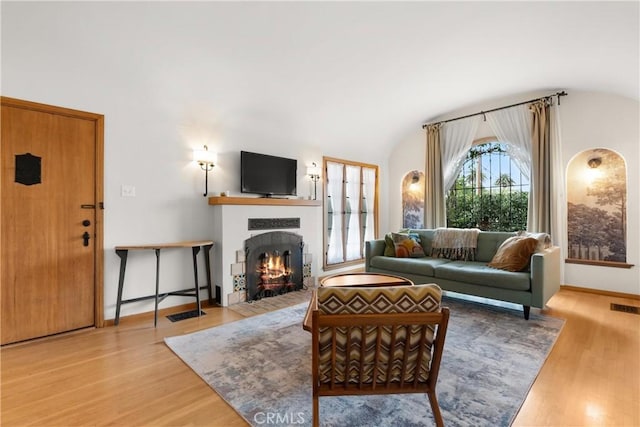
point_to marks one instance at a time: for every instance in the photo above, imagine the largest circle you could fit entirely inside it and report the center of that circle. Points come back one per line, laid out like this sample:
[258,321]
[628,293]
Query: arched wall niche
[413,199]
[597,208]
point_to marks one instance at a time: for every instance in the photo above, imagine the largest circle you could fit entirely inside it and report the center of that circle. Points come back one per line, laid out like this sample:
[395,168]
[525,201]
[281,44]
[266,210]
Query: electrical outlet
[127,191]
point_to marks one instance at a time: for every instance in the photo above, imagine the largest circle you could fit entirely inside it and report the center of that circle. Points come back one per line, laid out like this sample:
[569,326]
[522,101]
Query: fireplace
[274,264]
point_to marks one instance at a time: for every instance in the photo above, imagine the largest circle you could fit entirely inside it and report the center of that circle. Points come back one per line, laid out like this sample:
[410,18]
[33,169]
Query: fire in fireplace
[275,271]
[273,264]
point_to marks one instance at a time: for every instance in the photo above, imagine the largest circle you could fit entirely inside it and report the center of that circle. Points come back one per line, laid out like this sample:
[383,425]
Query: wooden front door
[51,220]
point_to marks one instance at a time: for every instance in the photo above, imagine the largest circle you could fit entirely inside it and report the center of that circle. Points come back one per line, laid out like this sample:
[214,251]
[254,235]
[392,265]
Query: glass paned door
[350,210]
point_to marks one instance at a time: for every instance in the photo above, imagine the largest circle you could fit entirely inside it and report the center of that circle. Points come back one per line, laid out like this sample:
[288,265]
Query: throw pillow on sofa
[407,246]
[544,239]
[514,254]
[390,247]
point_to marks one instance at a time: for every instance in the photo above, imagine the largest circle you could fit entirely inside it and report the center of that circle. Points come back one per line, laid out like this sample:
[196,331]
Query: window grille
[490,192]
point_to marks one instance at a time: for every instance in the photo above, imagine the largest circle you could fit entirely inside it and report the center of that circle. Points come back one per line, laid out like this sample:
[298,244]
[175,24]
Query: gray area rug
[262,367]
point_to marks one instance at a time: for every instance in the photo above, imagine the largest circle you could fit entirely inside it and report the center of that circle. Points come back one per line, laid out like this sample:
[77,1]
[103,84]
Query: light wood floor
[126,376]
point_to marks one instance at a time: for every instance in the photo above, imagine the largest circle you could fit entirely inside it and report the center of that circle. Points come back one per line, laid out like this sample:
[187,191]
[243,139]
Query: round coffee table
[364,279]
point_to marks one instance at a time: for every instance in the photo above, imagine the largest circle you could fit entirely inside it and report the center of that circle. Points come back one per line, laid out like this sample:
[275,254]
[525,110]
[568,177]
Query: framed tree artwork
[597,209]
[413,200]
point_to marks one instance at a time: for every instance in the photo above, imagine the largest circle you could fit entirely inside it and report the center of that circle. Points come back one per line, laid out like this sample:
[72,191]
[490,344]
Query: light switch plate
[127,190]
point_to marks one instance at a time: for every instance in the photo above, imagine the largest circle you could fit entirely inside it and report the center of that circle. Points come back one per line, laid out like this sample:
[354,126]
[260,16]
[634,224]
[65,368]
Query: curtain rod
[558,94]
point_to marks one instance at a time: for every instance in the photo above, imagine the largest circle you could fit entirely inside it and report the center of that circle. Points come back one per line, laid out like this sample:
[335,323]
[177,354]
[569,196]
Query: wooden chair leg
[316,412]
[435,408]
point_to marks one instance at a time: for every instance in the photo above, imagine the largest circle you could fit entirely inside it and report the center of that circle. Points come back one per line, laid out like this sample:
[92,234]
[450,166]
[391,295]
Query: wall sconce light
[415,178]
[594,162]
[314,173]
[207,160]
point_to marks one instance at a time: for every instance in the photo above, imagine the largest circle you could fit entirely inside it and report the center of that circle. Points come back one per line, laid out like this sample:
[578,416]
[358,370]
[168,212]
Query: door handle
[85,238]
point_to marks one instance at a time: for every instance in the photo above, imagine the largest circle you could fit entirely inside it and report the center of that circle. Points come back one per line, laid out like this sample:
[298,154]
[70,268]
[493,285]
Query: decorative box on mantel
[235,219]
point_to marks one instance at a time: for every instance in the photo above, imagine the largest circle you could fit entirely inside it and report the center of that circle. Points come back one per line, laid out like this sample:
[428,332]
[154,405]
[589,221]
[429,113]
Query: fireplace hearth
[274,264]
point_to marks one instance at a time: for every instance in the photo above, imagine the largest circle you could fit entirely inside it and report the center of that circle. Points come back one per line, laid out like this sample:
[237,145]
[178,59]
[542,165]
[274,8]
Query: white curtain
[334,179]
[456,139]
[352,216]
[513,125]
[368,202]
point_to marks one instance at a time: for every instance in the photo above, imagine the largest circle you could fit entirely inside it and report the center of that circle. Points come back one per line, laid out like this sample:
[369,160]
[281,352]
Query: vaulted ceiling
[362,74]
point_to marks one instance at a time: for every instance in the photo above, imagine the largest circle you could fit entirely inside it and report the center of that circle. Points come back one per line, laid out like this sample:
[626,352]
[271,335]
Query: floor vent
[625,308]
[185,315]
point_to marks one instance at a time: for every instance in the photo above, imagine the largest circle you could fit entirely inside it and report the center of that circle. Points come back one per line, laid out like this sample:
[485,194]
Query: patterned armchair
[377,340]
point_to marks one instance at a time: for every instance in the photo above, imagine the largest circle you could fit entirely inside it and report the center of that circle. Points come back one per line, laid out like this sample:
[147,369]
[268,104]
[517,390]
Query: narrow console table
[123,252]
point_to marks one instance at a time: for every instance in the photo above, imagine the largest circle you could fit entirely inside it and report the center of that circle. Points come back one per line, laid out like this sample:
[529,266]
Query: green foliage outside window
[487,195]
[490,212]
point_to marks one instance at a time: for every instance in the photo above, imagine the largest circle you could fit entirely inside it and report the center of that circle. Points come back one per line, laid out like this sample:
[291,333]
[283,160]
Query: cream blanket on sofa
[455,243]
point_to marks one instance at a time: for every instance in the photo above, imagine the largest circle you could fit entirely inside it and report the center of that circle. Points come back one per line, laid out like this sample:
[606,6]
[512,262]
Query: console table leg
[123,266]
[195,251]
[207,265]
[155,314]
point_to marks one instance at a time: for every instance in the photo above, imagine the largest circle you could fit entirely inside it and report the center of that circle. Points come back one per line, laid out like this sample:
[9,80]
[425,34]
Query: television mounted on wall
[267,175]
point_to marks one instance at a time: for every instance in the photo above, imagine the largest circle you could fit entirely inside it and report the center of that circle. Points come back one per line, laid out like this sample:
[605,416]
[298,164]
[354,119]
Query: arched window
[490,192]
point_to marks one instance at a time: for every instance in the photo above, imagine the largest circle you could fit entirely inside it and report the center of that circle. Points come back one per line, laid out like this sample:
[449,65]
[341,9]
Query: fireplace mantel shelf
[264,201]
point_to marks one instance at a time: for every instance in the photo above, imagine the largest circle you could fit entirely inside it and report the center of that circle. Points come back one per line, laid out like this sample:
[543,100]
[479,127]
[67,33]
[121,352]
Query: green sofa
[531,288]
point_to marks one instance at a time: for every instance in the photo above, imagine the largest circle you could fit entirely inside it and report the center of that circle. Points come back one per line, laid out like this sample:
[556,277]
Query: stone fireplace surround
[231,227]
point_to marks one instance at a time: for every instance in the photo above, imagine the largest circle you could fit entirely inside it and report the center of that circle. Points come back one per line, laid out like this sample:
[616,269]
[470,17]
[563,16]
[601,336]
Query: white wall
[589,120]
[119,60]
[592,120]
